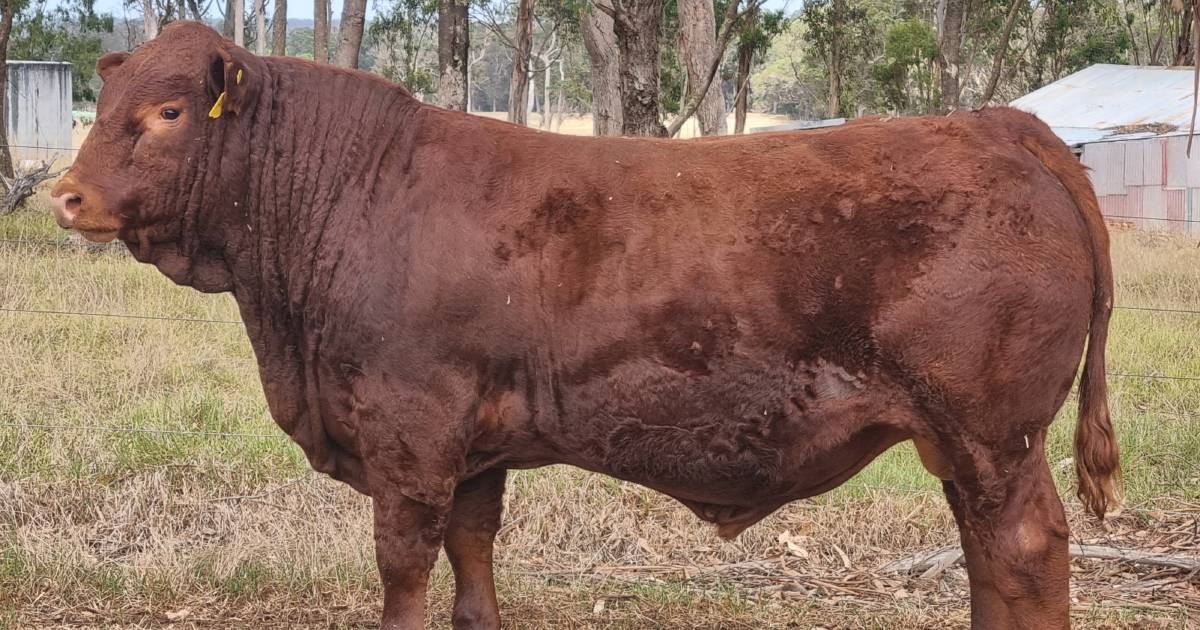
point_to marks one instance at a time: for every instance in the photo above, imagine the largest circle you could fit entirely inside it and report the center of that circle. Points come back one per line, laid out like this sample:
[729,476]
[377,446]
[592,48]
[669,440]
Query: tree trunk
[998,60]
[547,113]
[562,100]
[321,31]
[518,93]
[279,28]
[260,27]
[350,33]
[1183,43]
[636,27]
[698,42]
[601,45]
[471,61]
[950,51]
[6,22]
[835,58]
[745,57]
[454,49]
[227,24]
[149,19]
[239,22]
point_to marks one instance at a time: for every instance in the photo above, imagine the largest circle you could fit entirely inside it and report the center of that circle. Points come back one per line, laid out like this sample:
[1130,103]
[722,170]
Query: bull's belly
[730,442]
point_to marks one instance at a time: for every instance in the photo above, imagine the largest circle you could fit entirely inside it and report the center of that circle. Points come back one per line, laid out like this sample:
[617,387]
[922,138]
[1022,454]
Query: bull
[435,298]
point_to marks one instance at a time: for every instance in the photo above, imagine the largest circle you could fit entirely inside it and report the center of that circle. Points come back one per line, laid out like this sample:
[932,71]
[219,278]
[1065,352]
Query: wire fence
[1132,218]
[225,434]
[38,147]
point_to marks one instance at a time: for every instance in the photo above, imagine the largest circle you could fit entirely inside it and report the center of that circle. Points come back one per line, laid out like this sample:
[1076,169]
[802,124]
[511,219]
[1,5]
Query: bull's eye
[170,113]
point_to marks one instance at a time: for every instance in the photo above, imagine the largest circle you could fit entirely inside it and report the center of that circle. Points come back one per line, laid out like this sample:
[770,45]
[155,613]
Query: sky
[303,10]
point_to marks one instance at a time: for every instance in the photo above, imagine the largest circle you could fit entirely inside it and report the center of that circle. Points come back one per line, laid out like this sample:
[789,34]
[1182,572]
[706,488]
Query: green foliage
[62,32]
[1078,33]
[758,30]
[910,50]
[835,26]
[300,43]
[400,39]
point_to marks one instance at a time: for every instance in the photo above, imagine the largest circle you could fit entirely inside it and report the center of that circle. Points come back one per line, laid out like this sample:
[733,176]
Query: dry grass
[112,529]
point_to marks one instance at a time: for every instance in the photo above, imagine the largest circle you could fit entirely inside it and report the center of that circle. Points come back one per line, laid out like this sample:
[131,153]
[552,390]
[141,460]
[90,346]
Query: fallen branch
[22,185]
[931,564]
[1097,552]
[927,564]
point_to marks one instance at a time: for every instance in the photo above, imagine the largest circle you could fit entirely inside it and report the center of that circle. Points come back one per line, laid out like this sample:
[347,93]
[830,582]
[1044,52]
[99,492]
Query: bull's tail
[1097,461]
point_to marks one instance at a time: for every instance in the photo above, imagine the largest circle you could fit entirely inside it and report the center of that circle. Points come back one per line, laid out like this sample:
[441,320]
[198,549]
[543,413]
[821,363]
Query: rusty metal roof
[1121,100]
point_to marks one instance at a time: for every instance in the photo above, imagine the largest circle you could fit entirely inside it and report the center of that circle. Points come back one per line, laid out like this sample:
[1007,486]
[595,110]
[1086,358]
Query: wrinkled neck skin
[285,184]
[256,199]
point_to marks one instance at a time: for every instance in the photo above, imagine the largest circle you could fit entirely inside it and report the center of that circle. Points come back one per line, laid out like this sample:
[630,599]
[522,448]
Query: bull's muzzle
[68,203]
[66,208]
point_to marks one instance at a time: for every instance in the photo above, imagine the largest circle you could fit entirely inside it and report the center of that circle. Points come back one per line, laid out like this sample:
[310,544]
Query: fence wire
[1129,218]
[115,429]
[189,320]
[39,148]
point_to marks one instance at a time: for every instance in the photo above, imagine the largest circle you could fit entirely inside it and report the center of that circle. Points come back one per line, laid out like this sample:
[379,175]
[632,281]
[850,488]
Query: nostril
[66,208]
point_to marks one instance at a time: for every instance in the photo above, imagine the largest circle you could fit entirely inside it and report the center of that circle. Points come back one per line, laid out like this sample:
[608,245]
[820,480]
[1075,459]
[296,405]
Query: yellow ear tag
[239,78]
[215,112]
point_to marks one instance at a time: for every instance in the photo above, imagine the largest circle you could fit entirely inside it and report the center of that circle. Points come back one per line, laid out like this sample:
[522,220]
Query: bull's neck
[319,142]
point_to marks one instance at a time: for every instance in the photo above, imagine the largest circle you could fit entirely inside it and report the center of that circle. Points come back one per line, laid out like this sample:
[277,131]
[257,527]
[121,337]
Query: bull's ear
[234,79]
[110,62]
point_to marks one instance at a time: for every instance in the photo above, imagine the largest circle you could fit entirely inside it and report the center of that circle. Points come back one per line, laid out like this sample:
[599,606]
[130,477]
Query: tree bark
[547,110]
[950,52]
[636,24]
[6,22]
[518,93]
[227,23]
[321,31]
[698,41]
[149,20]
[350,33]
[745,58]
[562,100]
[454,49]
[260,27]
[601,45]
[239,22]
[1183,42]
[1010,20]
[835,57]
[279,28]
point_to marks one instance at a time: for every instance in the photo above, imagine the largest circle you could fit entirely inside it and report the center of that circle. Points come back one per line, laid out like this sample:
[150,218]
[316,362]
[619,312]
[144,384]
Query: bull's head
[164,116]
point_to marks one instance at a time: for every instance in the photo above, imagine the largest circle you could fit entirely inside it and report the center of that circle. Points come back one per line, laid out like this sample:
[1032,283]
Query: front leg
[408,534]
[474,521]
[412,446]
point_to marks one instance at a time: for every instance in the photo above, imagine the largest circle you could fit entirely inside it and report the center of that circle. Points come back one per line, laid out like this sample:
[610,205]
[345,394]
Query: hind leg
[1015,538]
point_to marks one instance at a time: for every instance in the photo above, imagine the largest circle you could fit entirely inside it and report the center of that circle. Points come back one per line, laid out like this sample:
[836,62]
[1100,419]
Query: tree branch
[1010,20]
[725,33]
[22,185]
[930,564]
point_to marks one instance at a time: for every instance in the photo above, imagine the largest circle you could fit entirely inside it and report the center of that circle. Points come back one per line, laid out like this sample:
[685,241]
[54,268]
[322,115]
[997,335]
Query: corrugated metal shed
[38,110]
[1129,125]
[1108,96]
